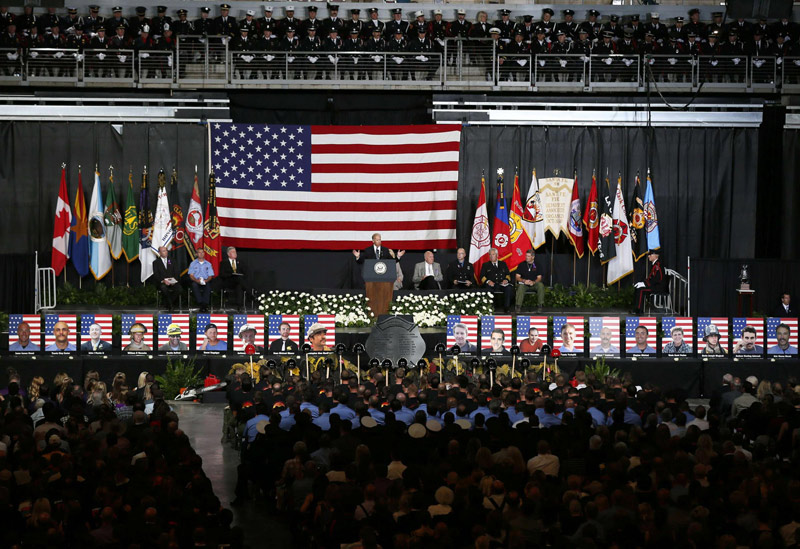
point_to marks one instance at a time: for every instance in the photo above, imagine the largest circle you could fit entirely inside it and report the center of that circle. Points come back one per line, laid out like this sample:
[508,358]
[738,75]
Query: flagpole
[588,266]
[574,262]
[110,183]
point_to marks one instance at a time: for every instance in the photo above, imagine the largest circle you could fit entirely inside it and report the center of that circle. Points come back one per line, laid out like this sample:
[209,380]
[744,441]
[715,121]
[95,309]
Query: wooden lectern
[379,276]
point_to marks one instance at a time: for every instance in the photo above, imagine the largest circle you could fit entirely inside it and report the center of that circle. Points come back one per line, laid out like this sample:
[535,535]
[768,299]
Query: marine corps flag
[532,218]
[520,242]
[622,264]
[113,219]
[146,252]
[500,233]
[480,244]
[61,224]
[637,222]
[178,253]
[606,229]
[193,239]
[130,230]
[574,227]
[591,218]
[212,241]
[79,232]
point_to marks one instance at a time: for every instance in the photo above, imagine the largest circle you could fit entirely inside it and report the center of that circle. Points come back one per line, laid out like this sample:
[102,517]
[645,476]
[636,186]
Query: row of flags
[91,238]
[617,234]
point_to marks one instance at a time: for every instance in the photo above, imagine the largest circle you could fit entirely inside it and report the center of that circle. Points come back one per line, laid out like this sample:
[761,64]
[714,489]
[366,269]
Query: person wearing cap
[46,21]
[312,21]
[7,17]
[680,28]
[459,27]
[182,26]
[628,45]
[317,337]
[649,46]
[310,42]
[614,28]
[136,334]
[174,343]
[68,22]
[375,45]
[116,21]
[354,22]
[243,43]
[139,21]
[437,31]
[540,45]
[119,41]
[396,44]
[743,28]
[92,21]
[373,23]
[759,46]
[636,27]
[352,63]
[247,336]
[211,341]
[694,24]
[505,25]
[99,59]
[658,28]
[266,21]
[249,22]
[583,44]
[289,42]
[591,25]
[789,29]
[143,43]
[711,337]
[655,282]
[77,40]
[424,65]
[333,21]
[516,67]
[158,22]
[527,28]
[205,25]
[733,67]
[225,24]
[782,48]
[167,43]
[640,335]
[288,21]
[717,25]
[569,25]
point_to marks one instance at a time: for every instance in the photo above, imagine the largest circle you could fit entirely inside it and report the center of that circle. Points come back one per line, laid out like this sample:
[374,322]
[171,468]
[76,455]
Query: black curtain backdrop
[17,275]
[787,190]
[704,179]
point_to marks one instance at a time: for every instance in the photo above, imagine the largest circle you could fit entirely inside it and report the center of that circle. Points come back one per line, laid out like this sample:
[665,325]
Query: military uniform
[205,25]
[376,44]
[372,24]
[93,21]
[287,22]
[349,26]
[394,25]
[614,28]
[422,46]
[340,25]
[658,29]
[112,24]
[528,30]
[460,28]
[6,17]
[265,22]
[497,273]
[395,45]
[437,31]
[27,20]
[505,25]
[460,272]
[46,21]
[302,31]
[592,28]
[570,27]
[182,26]
[100,64]
[226,25]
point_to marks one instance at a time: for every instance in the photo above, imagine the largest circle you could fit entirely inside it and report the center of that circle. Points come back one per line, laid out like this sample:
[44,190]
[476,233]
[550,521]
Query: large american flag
[525,323]
[470,321]
[772,324]
[274,324]
[489,323]
[283,186]
[633,322]
[577,322]
[50,322]
[35,323]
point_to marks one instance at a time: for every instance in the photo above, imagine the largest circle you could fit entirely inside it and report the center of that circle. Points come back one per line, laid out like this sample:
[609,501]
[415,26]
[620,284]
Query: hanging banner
[555,194]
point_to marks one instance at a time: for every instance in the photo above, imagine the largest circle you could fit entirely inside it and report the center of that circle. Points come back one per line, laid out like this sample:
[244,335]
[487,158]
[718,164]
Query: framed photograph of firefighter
[495,335]
[173,334]
[248,330]
[568,336]
[677,341]
[531,334]
[320,332]
[137,334]
[782,338]
[96,335]
[641,337]
[604,338]
[283,334]
[748,338]
[211,334]
[24,334]
[712,337]
[60,334]
[462,330]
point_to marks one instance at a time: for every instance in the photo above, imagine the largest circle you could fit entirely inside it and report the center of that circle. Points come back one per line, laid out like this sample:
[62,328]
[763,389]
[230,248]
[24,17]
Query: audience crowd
[86,464]
[584,462]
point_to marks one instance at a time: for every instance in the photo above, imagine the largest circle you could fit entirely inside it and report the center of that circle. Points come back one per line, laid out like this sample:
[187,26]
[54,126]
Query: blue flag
[651,219]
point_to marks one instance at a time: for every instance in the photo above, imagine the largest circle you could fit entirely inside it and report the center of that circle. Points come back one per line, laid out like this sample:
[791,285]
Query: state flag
[99,252]
[621,265]
[605,241]
[146,252]
[638,222]
[520,242]
[79,232]
[113,219]
[533,219]
[653,236]
[212,240]
[130,228]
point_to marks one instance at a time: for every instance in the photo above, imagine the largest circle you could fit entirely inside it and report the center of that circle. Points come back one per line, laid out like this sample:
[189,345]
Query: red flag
[480,244]
[591,218]
[574,227]
[212,242]
[501,237]
[61,226]
[520,241]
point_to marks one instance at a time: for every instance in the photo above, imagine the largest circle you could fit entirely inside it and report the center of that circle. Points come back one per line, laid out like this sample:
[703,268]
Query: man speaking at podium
[376,251]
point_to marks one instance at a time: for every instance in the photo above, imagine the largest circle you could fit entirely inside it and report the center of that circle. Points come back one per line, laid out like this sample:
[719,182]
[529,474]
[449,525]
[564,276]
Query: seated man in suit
[460,272]
[427,274]
[377,251]
[784,308]
[167,276]
[284,343]
[496,276]
[231,277]
[95,342]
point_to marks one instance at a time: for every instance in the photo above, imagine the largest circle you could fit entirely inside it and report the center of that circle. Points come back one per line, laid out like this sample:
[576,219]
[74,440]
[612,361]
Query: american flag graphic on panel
[471,323]
[596,331]
[274,324]
[129,320]
[577,324]
[722,325]
[489,324]
[773,345]
[165,320]
[34,322]
[284,186]
[50,322]
[203,320]
[104,321]
[737,327]
[525,323]
[329,321]
[684,322]
[256,321]
[633,322]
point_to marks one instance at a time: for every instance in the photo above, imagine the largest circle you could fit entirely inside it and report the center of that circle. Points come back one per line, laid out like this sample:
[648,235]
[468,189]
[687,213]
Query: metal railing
[44,291]
[207,61]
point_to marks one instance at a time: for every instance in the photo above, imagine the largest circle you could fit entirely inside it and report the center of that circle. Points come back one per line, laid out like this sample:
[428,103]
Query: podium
[379,276]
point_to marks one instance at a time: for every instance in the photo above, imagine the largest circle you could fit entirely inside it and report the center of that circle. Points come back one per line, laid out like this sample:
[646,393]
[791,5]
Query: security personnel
[460,27]
[182,26]
[139,21]
[158,22]
[312,21]
[267,21]
[592,26]
[397,23]
[569,25]
[289,21]
[694,24]
[496,276]
[355,22]
[373,23]
[505,25]
[116,21]
[226,25]
[547,22]
[205,25]
[334,21]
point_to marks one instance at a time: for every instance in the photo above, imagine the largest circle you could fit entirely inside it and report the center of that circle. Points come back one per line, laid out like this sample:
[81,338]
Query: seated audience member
[529,278]
[428,274]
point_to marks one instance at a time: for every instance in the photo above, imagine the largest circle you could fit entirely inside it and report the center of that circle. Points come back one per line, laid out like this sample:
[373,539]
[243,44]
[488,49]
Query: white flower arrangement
[431,310]
[350,310]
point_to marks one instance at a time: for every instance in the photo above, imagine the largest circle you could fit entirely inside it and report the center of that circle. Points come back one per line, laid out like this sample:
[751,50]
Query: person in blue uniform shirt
[95,342]
[567,338]
[747,343]
[61,332]
[23,342]
[201,272]
[212,341]
[640,335]
[605,346]
[529,279]
[782,332]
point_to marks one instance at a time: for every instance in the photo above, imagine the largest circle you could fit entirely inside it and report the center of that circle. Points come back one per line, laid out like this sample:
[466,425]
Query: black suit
[460,272]
[497,275]
[228,280]
[160,272]
[369,253]
[102,345]
[277,346]
[780,311]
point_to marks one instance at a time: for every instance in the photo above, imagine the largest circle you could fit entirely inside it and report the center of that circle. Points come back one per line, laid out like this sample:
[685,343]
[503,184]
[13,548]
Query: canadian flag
[61,225]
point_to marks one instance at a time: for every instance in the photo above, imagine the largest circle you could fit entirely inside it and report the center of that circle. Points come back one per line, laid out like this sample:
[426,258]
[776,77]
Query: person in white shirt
[544,461]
